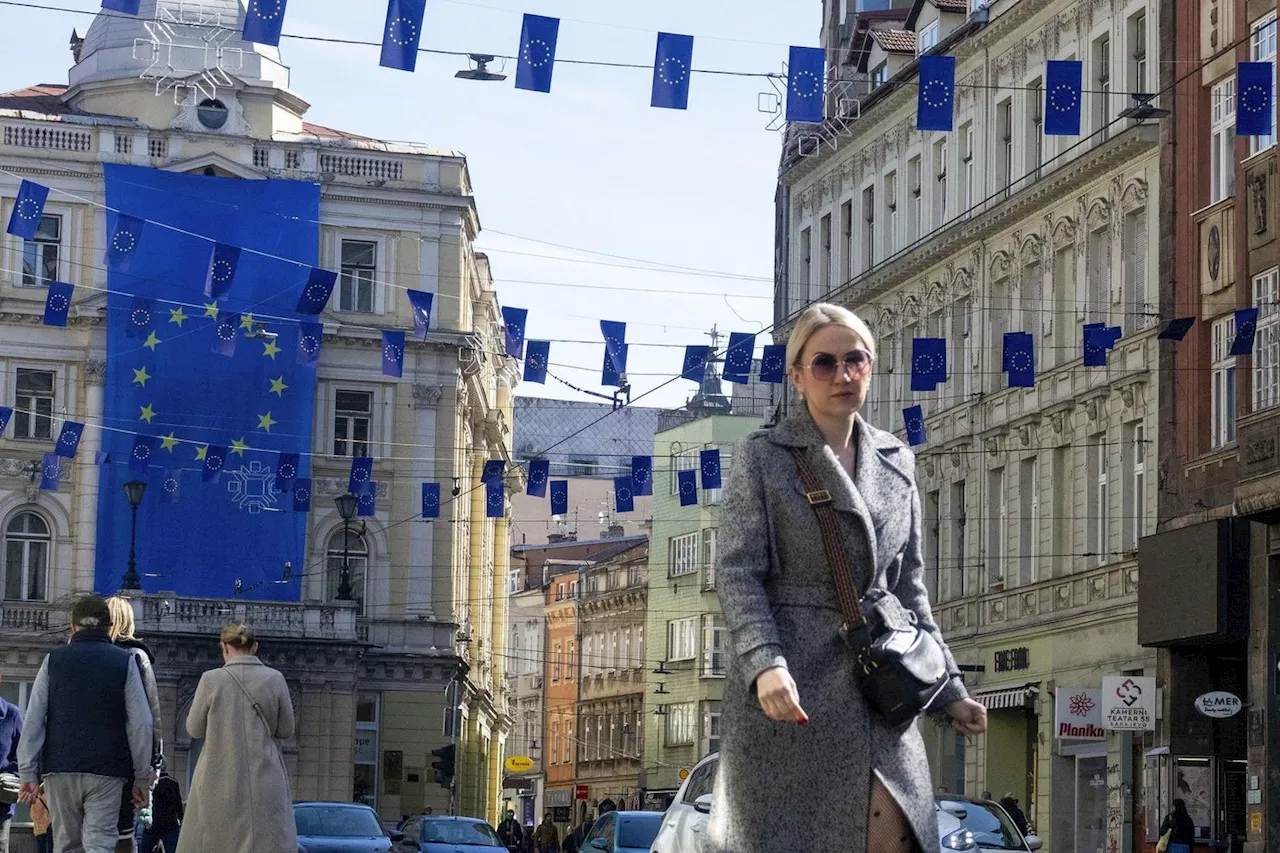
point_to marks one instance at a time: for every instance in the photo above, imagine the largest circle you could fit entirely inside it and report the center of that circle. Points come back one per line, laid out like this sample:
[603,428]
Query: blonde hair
[239,636]
[122,624]
[819,316]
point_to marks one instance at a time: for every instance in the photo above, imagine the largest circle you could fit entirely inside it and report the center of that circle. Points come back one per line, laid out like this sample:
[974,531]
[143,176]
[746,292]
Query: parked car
[684,826]
[967,823]
[445,834]
[340,828]
[623,832]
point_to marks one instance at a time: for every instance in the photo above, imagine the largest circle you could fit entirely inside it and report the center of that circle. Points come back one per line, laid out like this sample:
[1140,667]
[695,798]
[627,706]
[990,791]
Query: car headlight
[961,839]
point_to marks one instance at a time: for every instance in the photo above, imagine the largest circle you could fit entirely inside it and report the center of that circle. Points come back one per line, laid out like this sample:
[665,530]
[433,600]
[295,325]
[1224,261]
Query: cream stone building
[368,676]
[1033,498]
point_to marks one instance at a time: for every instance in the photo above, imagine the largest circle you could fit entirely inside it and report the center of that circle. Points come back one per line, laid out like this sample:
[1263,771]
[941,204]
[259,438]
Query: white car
[684,826]
[978,826]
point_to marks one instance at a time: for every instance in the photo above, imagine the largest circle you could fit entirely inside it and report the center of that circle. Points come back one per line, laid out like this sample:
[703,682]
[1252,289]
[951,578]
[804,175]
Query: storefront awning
[1009,698]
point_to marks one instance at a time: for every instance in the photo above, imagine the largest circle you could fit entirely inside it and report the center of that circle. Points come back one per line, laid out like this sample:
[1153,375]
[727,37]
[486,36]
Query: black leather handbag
[902,669]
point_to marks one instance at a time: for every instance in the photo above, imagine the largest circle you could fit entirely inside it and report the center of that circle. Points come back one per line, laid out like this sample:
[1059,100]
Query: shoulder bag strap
[261,716]
[829,525]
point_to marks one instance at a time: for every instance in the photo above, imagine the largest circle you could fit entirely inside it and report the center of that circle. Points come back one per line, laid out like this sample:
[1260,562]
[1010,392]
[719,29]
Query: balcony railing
[170,614]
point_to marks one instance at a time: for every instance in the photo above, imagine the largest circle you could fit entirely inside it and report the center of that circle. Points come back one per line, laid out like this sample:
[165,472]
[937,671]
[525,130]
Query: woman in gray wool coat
[804,759]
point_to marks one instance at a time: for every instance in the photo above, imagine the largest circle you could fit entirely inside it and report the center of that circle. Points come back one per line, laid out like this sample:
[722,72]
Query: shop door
[1091,804]
[1232,814]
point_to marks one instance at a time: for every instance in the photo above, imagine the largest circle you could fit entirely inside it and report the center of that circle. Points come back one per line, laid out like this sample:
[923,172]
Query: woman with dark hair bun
[240,800]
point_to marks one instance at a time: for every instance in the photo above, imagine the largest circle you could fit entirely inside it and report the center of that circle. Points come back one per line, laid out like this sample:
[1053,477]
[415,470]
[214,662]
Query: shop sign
[519,764]
[557,797]
[1078,714]
[1219,704]
[1012,660]
[366,751]
[581,792]
[1129,703]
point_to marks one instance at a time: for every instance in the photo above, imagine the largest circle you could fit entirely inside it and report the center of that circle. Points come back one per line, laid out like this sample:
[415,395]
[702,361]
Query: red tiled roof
[329,133]
[953,5]
[43,98]
[895,41]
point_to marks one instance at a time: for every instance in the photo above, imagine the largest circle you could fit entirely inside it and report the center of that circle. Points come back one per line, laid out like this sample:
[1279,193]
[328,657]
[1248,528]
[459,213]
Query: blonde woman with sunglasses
[807,759]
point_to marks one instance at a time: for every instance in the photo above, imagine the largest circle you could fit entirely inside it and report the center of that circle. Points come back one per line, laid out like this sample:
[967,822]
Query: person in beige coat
[240,800]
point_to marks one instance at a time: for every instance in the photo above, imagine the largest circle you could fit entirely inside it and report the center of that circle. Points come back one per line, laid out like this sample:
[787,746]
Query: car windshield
[336,822]
[989,824]
[639,830]
[459,832]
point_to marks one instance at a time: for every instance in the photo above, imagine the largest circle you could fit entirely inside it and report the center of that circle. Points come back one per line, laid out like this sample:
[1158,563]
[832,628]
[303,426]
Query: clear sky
[589,166]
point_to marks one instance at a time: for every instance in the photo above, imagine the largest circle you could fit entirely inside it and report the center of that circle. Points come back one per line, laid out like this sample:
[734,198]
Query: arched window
[356,553]
[26,558]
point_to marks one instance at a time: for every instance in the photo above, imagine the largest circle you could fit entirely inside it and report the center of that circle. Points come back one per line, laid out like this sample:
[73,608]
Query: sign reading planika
[1219,704]
[1078,714]
[1129,703]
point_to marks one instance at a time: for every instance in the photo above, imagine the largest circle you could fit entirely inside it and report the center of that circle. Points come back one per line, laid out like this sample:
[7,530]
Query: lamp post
[133,491]
[347,505]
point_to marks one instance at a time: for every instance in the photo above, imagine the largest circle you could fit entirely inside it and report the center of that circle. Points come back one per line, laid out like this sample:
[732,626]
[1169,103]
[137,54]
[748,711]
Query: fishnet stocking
[887,827]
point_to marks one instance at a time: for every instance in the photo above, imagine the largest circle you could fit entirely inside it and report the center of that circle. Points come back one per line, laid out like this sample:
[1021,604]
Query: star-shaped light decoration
[140,376]
[177,315]
[270,349]
[169,442]
[151,342]
[147,413]
[239,447]
[266,422]
[211,310]
[278,387]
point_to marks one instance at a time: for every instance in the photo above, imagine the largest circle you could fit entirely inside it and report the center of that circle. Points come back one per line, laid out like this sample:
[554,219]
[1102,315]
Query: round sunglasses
[857,361]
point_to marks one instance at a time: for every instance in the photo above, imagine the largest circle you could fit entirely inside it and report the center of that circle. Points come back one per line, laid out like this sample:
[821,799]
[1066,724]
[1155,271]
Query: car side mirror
[600,844]
[703,803]
[1034,842]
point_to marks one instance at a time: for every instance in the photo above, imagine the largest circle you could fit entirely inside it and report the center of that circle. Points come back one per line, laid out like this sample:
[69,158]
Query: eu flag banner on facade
[58,303]
[230,416]
[1063,85]
[537,53]
[50,472]
[127,7]
[806,81]
[141,312]
[1255,93]
[430,500]
[225,333]
[420,305]
[316,293]
[559,497]
[494,490]
[687,485]
[539,472]
[738,357]
[361,473]
[367,501]
[773,364]
[144,447]
[402,34]
[126,233]
[710,466]
[913,420]
[623,495]
[302,495]
[513,322]
[537,354]
[1246,330]
[672,66]
[1176,329]
[928,363]
[393,353]
[936,98]
[310,337]
[69,439]
[28,210]
[171,486]
[222,270]
[695,362]
[287,471]
[264,22]
[615,352]
[1020,359]
[642,475]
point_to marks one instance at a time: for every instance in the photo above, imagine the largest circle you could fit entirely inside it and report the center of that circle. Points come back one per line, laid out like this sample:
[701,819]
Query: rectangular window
[880,75]
[1262,48]
[1222,380]
[1097,308]
[940,156]
[680,724]
[1028,521]
[1097,472]
[1134,462]
[1031,307]
[869,227]
[26,558]
[1034,147]
[954,588]
[359,272]
[709,558]
[927,38]
[806,264]
[1140,309]
[962,332]
[967,161]
[683,555]
[682,639]
[1222,140]
[687,460]
[710,729]
[713,646]
[557,670]
[1102,86]
[1266,347]
[1138,51]
[40,255]
[932,543]
[1004,147]
[1064,294]
[846,241]
[824,260]
[33,403]
[352,416]
[1001,319]
[890,213]
[916,203]
[1062,510]
[995,526]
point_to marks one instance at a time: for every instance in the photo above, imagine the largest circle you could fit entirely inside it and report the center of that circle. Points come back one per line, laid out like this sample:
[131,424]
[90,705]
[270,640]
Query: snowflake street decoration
[252,487]
[1080,705]
[187,51]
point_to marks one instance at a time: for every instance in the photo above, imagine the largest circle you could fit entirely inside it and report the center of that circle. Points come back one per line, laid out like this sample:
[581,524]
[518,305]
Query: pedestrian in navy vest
[10,733]
[88,730]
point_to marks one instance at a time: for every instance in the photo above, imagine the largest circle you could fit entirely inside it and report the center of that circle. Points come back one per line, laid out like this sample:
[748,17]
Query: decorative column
[85,498]
[426,468]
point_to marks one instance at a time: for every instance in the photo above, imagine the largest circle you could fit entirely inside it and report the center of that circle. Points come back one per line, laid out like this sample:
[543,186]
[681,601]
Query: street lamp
[347,509]
[133,491]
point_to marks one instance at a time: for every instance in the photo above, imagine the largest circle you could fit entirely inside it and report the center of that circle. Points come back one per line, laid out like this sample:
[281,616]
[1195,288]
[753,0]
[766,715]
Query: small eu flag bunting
[513,323]
[738,357]
[58,303]
[1020,359]
[215,458]
[126,233]
[559,497]
[171,486]
[310,337]
[430,500]
[623,495]
[806,79]
[773,364]
[1176,329]
[687,482]
[69,439]
[536,356]
[286,471]
[928,363]
[140,315]
[672,65]
[695,362]
[128,7]
[1096,344]
[225,333]
[494,498]
[1063,83]
[402,34]
[367,501]
[420,303]
[28,210]
[936,100]
[50,472]
[537,53]
[222,270]
[642,475]
[1246,329]
[710,466]
[393,353]
[264,21]
[144,447]
[302,494]
[361,473]
[316,293]
[913,419]
[615,352]
[1255,95]
[539,473]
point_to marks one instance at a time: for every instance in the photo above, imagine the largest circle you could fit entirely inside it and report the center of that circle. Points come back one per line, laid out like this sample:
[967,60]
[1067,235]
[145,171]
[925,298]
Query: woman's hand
[776,690]
[970,717]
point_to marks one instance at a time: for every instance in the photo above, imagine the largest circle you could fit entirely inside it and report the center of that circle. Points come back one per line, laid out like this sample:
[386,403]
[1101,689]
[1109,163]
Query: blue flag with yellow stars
[936,98]
[623,495]
[316,292]
[687,483]
[1063,85]
[225,421]
[144,451]
[171,486]
[913,420]
[141,312]
[367,500]
[494,495]
[430,500]
[420,303]
[537,355]
[806,81]
[393,353]
[711,469]
[28,210]
[1019,359]
[559,497]
[128,7]
[773,364]
[264,22]
[537,59]
[928,363]
[58,303]
[1255,96]
[513,322]
[50,472]
[361,473]
[126,233]
[302,495]
[225,333]
[642,475]
[539,471]
[1246,329]
[739,356]
[6,412]
[672,66]
[695,362]
[402,34]
[69,439]
[310,339]
[287,471]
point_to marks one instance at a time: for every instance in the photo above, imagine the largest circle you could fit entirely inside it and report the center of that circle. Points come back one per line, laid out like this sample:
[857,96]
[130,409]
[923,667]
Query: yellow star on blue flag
[140,376]
[266,422]
[169,442]
[147,413]
[270,348]
[177,315]
[211,310]
[278,387]
[239,446]
[151,341]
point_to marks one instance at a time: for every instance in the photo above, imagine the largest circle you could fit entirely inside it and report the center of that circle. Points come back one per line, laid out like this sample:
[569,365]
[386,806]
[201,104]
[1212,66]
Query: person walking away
[87,731]
[40,829]
[1010,804]
[546,838]
[1182,827]
[10,734]
[121,633]
[166,815]
[794,704]
[240,800]
[511,832]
